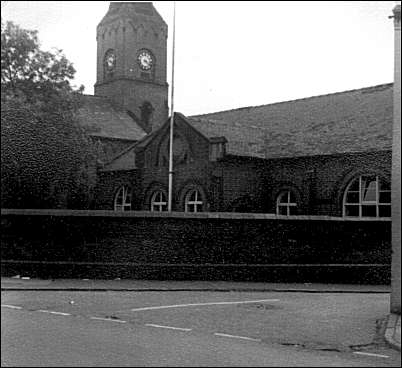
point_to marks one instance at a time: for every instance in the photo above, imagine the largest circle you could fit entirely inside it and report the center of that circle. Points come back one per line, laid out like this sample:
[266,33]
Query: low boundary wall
[204,246]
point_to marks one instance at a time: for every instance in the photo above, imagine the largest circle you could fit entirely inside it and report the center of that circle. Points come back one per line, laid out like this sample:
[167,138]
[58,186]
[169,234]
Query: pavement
[26,283]
[392,330]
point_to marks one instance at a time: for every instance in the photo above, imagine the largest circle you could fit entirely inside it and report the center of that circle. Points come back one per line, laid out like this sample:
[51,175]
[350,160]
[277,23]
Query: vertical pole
[172,116]
[396,171]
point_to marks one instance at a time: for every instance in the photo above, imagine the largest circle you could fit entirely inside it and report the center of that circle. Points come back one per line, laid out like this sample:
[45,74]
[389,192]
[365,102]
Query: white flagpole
[172,117]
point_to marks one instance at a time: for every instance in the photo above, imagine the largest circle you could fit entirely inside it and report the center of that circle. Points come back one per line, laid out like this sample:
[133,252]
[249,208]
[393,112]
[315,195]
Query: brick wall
[196,171]
[132,93]
[110,182]
[198,246]
[250,185]
[243,185]
[320,181]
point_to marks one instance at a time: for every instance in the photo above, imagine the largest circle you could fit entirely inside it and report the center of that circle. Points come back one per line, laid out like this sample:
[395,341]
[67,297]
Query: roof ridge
[198,117]
[231,124]
[295,100]
[95,96]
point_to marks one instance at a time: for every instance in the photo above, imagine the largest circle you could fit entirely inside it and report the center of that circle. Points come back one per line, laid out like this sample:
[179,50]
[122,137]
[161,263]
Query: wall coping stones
[173,214]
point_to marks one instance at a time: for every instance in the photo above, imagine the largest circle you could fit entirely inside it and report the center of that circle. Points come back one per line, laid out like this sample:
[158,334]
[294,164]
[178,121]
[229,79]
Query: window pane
[368,179]
[158,201]
[385,185]
[292,197]
[282,210]
[369,189]
[384,211]
[385,197]
[121,200]
[352,210]
[369,211]
[283,197]
[293,210]
[369,196]
[199,208]
[352,197]
[128,197]
[355,185]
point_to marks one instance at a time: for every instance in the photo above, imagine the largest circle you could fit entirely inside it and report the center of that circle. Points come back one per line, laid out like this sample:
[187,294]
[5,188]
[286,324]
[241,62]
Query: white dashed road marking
[168,327]
[10,306]
[109,319]
[236,337]
[52,312]
[370,354]
[201,304]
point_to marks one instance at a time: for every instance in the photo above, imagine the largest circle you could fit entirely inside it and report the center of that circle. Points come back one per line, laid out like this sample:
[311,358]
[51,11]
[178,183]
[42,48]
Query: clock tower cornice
[138,80]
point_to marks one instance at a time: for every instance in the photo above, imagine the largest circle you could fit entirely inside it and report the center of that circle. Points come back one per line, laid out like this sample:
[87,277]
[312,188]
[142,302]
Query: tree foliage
[46,157]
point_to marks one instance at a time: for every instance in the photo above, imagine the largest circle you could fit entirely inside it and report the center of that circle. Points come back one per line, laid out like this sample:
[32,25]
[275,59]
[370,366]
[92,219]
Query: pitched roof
[123,161]
[104,119]
[134,11]
[240,141]
[352,121]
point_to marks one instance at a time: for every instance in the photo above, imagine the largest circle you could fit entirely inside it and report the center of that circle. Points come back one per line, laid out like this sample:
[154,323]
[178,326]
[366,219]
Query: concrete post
[396,171]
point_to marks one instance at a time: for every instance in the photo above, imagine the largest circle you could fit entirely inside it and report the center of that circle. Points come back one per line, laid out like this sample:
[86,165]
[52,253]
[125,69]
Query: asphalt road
[48,328]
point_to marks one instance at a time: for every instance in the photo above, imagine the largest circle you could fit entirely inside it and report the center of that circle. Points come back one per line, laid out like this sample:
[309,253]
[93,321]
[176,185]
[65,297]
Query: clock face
[110,60]
[145,60]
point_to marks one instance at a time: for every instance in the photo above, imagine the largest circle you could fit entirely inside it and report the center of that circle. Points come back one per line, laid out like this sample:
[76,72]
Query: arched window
[122,199]
[109,63]
[158,201]
[193,201]
[146,112]
[286,203]
[367,196]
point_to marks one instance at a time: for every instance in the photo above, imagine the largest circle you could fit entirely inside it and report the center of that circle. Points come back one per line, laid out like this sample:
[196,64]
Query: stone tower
[131,61]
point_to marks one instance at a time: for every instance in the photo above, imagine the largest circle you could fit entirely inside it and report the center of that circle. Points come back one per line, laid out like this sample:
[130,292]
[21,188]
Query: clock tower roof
[131,10]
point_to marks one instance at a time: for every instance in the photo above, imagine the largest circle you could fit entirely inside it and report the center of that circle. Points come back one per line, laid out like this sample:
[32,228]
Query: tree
[46,157]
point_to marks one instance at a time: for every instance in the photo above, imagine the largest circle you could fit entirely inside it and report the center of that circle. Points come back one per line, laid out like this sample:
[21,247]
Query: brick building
[323,155]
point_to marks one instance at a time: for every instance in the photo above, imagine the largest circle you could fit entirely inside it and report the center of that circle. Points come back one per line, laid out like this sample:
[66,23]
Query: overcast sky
[237,54]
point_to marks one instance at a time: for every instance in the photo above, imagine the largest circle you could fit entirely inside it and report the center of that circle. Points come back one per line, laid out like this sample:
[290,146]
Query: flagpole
[172,116]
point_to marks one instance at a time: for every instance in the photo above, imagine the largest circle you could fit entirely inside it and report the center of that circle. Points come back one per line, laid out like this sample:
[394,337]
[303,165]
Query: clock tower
[131,61]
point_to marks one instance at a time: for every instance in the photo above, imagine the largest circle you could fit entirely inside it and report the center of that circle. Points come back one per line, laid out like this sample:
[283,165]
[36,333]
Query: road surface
[62,328]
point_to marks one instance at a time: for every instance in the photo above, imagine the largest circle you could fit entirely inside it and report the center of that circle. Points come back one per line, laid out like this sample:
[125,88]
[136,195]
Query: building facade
[322,155]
